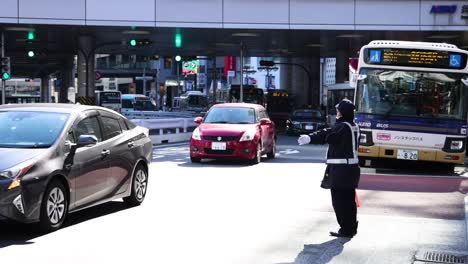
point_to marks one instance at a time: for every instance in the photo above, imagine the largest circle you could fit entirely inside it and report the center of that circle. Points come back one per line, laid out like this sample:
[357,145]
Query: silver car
[60,158]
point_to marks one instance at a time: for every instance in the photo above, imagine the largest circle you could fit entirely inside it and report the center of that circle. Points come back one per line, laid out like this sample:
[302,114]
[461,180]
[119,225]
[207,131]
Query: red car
[236,131]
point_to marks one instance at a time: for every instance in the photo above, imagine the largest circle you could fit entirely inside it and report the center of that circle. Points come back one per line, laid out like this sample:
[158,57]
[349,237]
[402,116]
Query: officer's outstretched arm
[319,137]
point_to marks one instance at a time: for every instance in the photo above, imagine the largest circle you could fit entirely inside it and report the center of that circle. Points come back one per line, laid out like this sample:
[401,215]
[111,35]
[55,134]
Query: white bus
[195,101]
[109,99]
[411,101]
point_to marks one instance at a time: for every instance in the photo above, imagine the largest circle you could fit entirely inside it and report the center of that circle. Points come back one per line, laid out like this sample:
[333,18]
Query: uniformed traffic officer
[342,165]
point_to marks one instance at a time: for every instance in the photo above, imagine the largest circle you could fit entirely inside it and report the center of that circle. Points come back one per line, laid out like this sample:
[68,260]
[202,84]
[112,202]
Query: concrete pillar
[305,87]
[45,89]
[66,79]
[86,49]
[314,68]
[342,60]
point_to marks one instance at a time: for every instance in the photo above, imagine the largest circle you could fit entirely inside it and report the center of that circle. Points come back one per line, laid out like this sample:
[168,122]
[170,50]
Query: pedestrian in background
[342,165]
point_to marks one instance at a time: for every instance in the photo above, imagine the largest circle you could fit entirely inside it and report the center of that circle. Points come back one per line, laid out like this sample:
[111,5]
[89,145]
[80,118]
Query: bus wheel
[449,167]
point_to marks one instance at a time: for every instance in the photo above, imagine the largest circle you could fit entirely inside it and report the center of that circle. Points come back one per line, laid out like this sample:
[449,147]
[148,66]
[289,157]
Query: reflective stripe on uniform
[355,159]
[342,161]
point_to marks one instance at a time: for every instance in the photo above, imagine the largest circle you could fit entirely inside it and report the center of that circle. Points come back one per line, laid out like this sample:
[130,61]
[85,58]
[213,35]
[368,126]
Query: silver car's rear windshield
[21,129]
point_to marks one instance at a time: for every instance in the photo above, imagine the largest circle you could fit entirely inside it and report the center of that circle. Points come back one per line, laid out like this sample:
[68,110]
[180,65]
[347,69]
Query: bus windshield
[143,105]
[410,93]
[110,97]
[197,100]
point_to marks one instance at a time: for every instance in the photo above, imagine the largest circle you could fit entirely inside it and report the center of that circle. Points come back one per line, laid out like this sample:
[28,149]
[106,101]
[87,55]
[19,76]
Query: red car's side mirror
[265,122]
[198,120]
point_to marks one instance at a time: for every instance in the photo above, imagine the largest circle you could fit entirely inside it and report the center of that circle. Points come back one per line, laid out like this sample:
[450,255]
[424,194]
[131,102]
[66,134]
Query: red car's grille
[222,152]
[220,138]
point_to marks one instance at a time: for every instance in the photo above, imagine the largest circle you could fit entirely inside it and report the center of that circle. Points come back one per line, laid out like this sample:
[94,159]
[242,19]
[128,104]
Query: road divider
[168,130]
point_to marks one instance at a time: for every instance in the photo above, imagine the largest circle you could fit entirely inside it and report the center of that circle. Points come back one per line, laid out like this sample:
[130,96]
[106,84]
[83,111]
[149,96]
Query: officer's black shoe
[342,234]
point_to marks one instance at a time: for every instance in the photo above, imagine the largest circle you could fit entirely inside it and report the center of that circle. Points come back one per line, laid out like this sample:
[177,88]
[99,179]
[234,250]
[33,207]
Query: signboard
[190,67]
[97,75]
[464,12]
[279,94]
[416,58]
[229,65]
[443,9]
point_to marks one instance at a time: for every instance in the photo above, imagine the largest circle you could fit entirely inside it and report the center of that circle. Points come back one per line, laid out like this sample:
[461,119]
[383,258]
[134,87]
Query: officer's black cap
[346,107]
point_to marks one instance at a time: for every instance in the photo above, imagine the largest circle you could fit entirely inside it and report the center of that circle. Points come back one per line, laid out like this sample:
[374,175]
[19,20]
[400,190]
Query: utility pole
[3,81]
[241,96]
[144,79]
[215,81]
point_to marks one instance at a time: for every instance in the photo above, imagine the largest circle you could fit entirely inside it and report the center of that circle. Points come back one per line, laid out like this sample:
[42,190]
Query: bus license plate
[218,145]
[309,127]
[407,154]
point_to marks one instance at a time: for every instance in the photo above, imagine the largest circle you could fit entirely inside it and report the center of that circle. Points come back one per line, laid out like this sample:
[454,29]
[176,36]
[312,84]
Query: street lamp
[178,58]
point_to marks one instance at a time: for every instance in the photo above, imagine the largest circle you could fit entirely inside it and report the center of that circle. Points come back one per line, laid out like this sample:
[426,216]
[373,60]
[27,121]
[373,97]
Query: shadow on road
[320,253]
[413,184]
[399,167]
[12,233]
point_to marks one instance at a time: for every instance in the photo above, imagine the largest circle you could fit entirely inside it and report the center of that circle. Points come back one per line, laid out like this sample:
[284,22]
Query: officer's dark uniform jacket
[342,161]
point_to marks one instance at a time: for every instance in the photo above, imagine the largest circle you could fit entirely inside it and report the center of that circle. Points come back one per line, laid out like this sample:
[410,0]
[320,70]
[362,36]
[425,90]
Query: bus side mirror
[198,120]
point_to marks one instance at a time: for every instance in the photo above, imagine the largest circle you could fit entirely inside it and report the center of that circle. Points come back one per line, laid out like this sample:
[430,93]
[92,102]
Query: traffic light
[266,63]
[31,35]
[31,53]
[178,40]
[6,68]
[139,42]
[178,58]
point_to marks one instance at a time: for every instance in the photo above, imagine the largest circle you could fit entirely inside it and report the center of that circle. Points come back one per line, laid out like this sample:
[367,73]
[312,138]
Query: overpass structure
[297,31]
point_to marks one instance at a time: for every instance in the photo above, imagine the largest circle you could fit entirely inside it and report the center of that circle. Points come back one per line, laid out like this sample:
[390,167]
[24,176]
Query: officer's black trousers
[344,204]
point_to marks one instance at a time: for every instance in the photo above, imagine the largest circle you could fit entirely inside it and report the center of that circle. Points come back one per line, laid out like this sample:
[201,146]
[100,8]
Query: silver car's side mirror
[86,140]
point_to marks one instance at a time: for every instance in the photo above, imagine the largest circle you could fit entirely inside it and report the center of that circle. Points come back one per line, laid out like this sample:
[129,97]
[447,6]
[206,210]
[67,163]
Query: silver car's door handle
[105,153]
[131,144]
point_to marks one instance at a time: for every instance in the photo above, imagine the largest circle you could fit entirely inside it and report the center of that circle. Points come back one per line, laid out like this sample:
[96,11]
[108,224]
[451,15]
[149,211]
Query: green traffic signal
[178,40]
[133,42]
[5,76]
[30,35]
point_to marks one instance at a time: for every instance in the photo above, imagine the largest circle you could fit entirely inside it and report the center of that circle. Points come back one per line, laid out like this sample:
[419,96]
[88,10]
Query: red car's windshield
[231,115]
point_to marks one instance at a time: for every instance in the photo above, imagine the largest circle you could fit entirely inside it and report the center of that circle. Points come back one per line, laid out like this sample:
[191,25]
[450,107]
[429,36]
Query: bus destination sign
[416,58]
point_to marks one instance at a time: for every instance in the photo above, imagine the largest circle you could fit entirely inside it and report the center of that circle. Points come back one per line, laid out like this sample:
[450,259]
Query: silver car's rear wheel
[139,186]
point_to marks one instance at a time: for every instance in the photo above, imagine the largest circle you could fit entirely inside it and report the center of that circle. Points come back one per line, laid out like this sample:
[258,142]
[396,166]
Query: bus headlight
[456,145]
[363,139]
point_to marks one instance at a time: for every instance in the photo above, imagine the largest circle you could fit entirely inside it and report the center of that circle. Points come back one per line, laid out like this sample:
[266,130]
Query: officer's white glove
[303,139]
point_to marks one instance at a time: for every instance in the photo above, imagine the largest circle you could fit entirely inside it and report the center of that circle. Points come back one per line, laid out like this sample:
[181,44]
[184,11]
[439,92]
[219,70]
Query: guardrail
[160,114]
[168,130]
